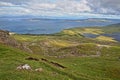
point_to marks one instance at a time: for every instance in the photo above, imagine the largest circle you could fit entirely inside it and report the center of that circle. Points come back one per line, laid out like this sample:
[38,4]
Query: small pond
[116,35]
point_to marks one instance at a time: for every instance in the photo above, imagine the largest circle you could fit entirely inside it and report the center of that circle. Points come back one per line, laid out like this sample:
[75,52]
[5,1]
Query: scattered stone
[54,74]
[19,67]
[39,69]
[24,67]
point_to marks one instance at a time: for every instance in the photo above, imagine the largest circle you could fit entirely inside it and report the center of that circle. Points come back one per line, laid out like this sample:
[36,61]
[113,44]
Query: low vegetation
[105,38]
[67,55]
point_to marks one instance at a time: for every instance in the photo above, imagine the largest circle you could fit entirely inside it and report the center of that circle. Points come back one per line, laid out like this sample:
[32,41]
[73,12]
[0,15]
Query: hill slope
[10,58]
[68,55]
[84,68]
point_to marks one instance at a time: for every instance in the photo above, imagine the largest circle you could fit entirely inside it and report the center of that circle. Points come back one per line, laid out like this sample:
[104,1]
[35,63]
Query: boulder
[24,67]
[39,69]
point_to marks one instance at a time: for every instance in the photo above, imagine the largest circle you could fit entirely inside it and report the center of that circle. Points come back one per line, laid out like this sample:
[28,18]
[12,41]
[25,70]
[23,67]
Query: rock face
[5,38]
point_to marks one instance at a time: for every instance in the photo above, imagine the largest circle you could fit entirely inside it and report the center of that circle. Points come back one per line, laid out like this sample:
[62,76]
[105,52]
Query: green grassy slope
[68,40]
[83,58]
[10,58]
[106,67]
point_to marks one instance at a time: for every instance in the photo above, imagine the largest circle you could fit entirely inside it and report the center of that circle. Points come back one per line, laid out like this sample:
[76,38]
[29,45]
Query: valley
[83,53]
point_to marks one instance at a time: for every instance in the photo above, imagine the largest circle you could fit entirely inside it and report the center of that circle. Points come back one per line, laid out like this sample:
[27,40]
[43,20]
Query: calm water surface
[46,26]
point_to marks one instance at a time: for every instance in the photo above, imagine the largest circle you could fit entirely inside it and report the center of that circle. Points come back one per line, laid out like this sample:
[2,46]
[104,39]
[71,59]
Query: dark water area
[87,35]
[116,36]
[47,26]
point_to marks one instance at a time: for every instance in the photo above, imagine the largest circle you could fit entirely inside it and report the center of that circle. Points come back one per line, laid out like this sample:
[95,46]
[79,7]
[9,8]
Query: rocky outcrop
[24,67]
[5,38]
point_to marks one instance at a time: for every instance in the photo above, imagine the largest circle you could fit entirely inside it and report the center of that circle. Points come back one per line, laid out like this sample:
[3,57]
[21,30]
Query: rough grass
[85,58]
[76,31]
[105,38]
[106,67]
[102,68]
[10,58]
[93,31]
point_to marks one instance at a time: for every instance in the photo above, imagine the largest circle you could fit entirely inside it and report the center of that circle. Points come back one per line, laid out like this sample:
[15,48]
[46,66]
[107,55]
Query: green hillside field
[67,55]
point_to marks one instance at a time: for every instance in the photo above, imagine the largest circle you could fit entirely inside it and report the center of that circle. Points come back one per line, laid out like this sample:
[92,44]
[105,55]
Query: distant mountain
[72,20]
[58,18]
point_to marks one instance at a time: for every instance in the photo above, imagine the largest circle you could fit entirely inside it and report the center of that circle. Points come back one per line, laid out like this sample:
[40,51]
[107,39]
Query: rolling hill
[67,55]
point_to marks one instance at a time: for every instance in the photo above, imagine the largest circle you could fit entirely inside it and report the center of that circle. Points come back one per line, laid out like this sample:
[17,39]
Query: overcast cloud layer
[79,8]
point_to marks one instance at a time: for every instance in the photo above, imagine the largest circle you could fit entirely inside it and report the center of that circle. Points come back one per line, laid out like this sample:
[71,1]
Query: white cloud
[6,4]
[73,6]
[59,7]
[105,6]
[7,8]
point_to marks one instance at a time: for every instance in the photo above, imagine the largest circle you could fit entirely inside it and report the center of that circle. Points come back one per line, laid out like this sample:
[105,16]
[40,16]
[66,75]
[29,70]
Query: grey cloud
[105,6]
[110,7]
[15,1]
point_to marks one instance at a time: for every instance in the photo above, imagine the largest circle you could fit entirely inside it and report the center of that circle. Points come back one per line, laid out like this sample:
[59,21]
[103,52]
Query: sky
[61,8]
